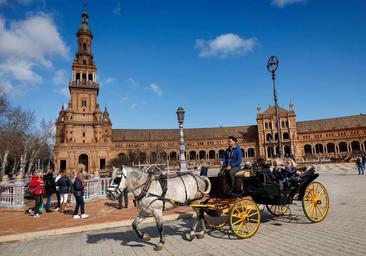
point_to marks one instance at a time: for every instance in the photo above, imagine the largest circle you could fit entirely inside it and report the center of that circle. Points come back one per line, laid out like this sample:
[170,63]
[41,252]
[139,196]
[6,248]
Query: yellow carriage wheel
[277,210]
[244,218]
[315,202]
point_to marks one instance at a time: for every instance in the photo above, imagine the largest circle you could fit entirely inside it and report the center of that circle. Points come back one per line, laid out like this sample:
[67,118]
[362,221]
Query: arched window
[142,157]
[221,154]
[287,124]
[192,155]
[212,154]
[355,145]
[163,156]
[77,77]
[270,152]
[330,148]
[286,136]
[343,147]
[270,125]
[276,136]
[153,157]
[173,156]
[287,151]
[308,149]
[84,47]
[319,148]
[242,152]
[269,137]
[283,124]
[266,125]
[251,152]
[202,154]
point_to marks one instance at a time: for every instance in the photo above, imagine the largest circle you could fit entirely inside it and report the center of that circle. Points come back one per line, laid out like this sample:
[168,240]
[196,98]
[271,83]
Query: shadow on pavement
[129,237]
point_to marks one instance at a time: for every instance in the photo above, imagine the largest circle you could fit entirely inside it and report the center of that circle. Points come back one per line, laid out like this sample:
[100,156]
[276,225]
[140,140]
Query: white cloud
[60,77]
[225,45]
[132,82]
[284,3]
[117,9]
[28,45]
[20,70]
[156,89]
[64,91]
[109,80]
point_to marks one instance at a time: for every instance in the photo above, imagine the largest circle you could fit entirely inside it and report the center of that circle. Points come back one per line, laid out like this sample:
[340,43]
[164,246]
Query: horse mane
[135,175]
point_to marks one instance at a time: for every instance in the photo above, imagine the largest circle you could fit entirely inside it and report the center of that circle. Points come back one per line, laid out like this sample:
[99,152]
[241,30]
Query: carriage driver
[232,160]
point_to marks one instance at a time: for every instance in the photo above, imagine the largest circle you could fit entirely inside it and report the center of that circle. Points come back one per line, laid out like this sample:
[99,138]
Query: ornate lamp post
[182,148]
[272,65]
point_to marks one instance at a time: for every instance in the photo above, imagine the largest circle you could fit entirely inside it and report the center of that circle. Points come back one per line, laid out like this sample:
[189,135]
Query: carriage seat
[239,176]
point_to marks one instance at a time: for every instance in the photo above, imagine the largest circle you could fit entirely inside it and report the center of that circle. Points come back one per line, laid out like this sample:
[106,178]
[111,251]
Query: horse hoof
[146,237]
[158,247]
[200,236]
[192,236]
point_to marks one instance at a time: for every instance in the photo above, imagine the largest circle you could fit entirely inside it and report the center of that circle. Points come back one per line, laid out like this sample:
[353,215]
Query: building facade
[85,138]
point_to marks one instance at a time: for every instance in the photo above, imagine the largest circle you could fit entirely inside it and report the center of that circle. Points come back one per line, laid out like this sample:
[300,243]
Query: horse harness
[163,181]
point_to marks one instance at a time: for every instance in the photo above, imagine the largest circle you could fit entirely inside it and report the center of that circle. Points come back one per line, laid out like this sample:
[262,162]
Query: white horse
[152,197]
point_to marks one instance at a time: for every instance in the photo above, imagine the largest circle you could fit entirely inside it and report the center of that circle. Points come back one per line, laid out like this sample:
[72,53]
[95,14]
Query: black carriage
[257,186]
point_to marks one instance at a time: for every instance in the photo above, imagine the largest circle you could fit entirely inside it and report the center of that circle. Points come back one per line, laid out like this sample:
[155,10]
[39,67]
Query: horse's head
[118,183]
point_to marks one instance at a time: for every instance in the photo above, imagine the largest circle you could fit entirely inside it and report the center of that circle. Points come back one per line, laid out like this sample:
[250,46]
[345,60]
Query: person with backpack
[50,188]
[64,186]
[78,188]
[36,187]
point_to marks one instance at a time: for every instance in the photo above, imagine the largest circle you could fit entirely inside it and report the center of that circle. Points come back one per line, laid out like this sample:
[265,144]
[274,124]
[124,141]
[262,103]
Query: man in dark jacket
[232,160]
[50,187]
[123,198]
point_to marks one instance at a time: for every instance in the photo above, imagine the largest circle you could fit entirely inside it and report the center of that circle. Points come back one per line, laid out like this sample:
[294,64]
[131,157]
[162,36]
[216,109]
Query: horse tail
[208,185]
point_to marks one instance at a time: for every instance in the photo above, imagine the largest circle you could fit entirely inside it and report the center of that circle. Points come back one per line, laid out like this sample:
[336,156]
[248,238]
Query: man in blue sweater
[232,160]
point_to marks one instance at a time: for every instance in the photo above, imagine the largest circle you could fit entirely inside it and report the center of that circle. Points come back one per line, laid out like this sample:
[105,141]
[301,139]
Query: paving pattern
[343,232]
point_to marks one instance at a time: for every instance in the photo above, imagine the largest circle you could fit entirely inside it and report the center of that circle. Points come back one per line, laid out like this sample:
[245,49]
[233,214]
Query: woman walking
[64,185]
[78,190]
[36,187]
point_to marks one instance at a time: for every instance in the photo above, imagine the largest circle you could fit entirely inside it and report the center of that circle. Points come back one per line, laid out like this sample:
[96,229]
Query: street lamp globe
[180,115]
[272,64]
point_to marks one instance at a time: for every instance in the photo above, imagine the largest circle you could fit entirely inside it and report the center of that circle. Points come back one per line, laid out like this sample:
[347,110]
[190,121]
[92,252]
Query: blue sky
[208,56]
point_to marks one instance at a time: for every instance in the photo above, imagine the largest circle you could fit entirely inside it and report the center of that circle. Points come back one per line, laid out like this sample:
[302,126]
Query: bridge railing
[12,192]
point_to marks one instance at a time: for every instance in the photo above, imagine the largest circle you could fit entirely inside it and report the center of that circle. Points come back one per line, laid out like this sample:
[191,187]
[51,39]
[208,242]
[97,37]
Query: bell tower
[83,131]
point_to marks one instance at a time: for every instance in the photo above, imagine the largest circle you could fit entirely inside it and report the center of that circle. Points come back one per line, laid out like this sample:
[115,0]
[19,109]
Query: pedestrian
[203,167]
[50,188]
[36,187]
[359,165]
[57,191]
[64,186]
[123,198]
[363,162]
[78,189]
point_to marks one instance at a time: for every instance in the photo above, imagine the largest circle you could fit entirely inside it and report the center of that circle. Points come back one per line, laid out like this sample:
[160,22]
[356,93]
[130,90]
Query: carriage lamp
[272,66]
[182,157]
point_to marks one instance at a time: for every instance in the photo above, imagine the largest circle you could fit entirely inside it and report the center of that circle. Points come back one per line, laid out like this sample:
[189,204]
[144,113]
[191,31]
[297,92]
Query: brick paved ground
[343,232]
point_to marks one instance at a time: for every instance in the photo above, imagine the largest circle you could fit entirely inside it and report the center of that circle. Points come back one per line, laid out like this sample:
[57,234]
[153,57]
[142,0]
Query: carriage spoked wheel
[216,218]
[315,202]
[278,210]
[244,218]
